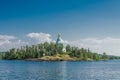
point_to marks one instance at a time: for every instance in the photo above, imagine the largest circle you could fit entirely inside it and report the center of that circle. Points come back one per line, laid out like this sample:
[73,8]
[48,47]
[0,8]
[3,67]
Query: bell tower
[59,40]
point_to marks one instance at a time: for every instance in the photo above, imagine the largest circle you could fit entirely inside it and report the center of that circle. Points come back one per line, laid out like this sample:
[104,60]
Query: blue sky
[75,19]
[84,18]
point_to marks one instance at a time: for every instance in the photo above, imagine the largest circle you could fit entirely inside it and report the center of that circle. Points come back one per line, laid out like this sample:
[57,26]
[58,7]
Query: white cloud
[5,39]
[13,44]
[7,42]
[108,44]
[40,37]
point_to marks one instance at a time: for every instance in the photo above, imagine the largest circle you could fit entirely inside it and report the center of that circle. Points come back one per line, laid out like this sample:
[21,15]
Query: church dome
[59,40]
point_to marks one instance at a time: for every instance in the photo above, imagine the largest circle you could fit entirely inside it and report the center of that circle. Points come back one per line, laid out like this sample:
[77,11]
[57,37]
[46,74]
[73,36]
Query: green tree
[105,56]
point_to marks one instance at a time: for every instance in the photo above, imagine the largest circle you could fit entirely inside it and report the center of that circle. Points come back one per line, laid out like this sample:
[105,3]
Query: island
[51,51]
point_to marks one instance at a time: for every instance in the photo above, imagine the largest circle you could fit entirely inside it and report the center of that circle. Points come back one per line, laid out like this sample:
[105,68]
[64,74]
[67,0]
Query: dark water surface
[28,70]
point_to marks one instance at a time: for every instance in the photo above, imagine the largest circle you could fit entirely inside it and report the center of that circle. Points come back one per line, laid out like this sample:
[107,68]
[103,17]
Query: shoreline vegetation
[53,52]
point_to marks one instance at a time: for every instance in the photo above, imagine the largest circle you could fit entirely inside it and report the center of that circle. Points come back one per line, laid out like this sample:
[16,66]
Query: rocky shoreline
[57,58]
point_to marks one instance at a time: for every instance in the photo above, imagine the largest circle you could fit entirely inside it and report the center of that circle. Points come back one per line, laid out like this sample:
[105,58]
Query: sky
[90,24]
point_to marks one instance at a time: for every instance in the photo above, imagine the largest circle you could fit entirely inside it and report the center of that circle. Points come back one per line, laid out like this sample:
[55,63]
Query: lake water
[28,70]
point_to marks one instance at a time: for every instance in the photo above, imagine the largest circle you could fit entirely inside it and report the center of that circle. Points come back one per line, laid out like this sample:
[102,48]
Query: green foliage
[105,56]
[52,49]
[96,56]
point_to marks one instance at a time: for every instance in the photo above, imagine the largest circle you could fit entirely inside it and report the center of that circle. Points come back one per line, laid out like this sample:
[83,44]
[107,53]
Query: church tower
[60,41]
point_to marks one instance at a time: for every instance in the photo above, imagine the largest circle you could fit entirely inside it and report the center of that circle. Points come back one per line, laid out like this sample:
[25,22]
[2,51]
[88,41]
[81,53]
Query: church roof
[59,40]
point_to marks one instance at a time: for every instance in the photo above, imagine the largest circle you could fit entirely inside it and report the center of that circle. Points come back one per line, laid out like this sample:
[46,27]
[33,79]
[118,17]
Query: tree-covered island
[54,52]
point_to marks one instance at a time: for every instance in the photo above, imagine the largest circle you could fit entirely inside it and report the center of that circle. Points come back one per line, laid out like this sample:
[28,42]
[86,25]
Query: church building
[60,41]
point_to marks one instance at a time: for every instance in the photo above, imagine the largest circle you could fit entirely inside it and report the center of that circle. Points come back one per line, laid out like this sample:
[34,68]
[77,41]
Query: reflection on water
[27,70]
[64,74]
[62,71]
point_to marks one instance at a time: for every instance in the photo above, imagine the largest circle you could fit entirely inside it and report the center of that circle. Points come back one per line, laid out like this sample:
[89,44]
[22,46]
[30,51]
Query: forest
[52,49]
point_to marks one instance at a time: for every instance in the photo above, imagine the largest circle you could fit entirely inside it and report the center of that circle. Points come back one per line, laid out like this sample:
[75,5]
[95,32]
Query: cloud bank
[109,45]
[40,37]
[5,39]
[7,42]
